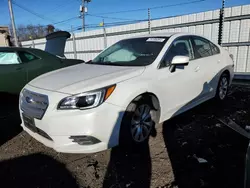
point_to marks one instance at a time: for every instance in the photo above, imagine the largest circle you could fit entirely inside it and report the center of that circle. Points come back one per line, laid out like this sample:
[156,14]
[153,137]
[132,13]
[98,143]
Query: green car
[18,66]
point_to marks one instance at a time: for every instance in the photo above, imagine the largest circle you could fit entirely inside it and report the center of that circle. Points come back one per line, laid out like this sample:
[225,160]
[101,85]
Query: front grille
[33,104]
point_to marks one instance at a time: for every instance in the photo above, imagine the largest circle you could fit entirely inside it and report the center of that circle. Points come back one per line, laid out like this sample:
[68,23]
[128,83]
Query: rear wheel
[138,122]
[223,87]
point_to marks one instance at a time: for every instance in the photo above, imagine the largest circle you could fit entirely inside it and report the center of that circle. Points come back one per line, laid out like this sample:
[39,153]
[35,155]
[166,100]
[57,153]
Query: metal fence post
[221,22]
[33,43]
[74,43]
[104,35]
[149,22]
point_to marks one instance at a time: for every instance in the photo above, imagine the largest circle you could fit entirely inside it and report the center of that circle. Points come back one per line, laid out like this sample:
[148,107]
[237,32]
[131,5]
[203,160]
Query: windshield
[132,52]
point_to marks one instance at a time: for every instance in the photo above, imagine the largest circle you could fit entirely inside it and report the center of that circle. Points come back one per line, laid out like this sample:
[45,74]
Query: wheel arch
[153,99]
[227,73]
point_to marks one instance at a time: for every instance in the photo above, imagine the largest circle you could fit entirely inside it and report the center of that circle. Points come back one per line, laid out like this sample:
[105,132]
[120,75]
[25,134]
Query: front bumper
[102,123]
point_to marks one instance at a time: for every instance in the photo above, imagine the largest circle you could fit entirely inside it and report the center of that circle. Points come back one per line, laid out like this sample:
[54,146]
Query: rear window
[202,47]
[27,57]
[214,48]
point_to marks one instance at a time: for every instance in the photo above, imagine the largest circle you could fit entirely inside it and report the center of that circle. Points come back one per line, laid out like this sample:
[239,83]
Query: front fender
[126,92]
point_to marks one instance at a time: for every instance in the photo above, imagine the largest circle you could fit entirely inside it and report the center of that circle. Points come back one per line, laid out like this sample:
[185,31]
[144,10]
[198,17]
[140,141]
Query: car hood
[70,62]
[84,77]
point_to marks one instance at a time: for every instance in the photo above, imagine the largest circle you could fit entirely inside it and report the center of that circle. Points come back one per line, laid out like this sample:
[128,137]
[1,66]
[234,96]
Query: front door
[12,73]
[182,87]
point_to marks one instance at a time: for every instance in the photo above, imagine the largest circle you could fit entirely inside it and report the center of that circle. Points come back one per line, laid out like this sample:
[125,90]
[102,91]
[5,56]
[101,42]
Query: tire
[222,88]
[136,126]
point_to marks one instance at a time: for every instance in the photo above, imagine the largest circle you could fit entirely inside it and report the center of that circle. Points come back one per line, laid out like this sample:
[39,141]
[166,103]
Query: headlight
[86,100]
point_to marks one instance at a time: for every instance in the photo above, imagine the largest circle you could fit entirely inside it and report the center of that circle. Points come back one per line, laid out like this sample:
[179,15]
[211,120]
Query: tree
[28,32]
[50,28]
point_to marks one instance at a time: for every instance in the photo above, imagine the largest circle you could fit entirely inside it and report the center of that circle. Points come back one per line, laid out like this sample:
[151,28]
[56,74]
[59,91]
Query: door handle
[197,69]
[19,68]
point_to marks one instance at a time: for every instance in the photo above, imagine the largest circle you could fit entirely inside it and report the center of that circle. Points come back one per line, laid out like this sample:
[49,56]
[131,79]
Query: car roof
[12,48]
[38,52]
[163,34]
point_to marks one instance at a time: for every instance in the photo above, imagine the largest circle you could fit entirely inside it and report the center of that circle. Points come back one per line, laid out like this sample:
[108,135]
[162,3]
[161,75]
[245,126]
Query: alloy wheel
[141,123]
[223,88]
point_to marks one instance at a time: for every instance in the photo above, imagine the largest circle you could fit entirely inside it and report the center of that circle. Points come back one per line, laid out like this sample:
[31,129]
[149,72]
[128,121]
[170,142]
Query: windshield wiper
[89,62]
[105,63]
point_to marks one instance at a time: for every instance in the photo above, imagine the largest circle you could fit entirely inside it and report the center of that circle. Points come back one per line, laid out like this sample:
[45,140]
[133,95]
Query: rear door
[37,65]
[12,72]
[207,57]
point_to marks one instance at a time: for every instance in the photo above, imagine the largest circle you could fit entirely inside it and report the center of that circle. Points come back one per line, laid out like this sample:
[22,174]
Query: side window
[202,47]
[214,48]
[8,58]
[181,46]
[27,57]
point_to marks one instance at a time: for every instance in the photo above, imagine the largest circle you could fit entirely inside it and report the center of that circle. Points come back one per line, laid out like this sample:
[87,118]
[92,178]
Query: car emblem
[29,100]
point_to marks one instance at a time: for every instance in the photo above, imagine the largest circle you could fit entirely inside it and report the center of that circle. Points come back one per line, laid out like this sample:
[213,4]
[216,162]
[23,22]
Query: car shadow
[36,170]
[247,170]
[202,151]
[129,168]
[9,118]
[129,165]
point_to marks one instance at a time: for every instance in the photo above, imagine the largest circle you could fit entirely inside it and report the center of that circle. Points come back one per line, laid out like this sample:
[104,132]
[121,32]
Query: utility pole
[221,23]
[83,15]
[83,11]
[13,22]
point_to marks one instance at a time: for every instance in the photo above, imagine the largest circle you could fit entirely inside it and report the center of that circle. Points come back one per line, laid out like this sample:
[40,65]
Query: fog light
[84,140]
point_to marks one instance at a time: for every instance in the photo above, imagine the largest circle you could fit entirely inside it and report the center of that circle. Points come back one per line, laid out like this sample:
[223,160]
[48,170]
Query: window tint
[202,47]
[214,48]
[181,46]
[27,57]
[8,58]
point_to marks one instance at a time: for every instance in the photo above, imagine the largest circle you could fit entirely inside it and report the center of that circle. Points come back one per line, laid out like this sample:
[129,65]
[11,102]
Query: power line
[130,21]
[117,23]
[113,18]
[42,17]
[61,6]
[63,21]
[55,23]
[32,12]
[108,24]
[126,20]
[157,7]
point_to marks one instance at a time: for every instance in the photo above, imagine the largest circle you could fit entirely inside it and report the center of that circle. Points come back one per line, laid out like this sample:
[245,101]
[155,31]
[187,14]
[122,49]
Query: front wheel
[138,122]
[222,88]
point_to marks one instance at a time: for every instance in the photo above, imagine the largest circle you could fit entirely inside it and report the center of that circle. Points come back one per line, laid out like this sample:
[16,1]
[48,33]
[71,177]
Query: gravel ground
[191,150]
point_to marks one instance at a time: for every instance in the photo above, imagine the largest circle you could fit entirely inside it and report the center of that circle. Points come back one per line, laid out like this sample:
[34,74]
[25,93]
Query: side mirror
[179,60]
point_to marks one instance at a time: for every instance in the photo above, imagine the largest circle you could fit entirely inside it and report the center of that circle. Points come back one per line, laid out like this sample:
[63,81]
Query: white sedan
[122,94]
